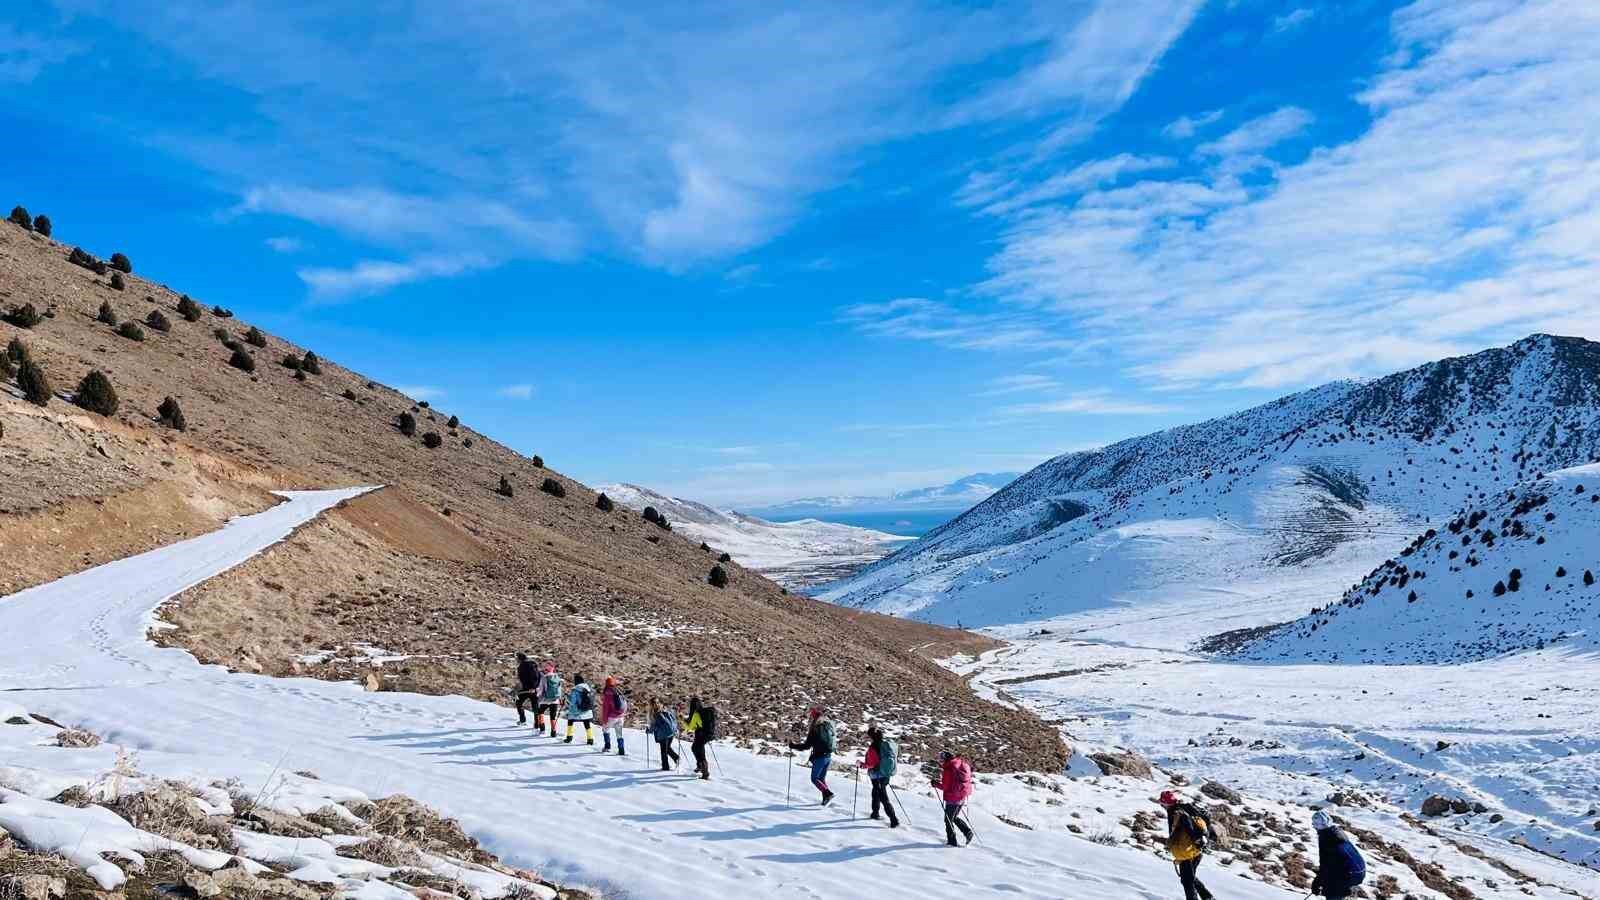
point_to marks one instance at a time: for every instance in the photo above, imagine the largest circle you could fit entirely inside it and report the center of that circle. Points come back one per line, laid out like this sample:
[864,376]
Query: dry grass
[76,738]
[169,809]
[385,851]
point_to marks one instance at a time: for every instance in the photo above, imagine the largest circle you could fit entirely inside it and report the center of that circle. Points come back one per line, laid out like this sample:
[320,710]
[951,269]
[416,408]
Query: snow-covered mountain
[1320,486]
[1513,573]
[959,494]
[794,554]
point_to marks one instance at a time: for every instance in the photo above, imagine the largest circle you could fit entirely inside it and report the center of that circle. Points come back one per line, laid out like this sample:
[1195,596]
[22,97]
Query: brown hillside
[437,566]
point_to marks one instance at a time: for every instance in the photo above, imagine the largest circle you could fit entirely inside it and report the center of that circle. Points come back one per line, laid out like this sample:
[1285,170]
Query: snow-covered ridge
[1345,473]
[794,554]
[959,494]
[1515,573]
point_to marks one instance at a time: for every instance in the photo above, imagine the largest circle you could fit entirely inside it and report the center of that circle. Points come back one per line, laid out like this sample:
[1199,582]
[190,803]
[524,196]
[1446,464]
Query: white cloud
[1458,219]
[1258,135]
[421,391]
[1019,384]
[517,391]
[1185,127]
[1097,403]
[1292,19]
[1092,174]
[914,318]
[373,276]
[285,244]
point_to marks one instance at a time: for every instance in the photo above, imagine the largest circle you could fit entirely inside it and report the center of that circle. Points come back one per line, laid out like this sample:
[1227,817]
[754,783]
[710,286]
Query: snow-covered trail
[575,814]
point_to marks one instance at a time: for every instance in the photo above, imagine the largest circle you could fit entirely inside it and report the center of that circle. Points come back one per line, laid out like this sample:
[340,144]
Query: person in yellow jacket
[1187,836]
[702,726]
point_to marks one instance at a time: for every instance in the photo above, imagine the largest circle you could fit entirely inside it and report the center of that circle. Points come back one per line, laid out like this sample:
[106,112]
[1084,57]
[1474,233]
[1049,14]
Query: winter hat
[1168,798]
[522,657]
[610,682]
[577,679]
[549,668]
[816,712]
[1321,821]
[946,756]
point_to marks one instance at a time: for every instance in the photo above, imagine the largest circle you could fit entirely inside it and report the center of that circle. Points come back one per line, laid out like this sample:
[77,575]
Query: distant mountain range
[957,495]
[1290,503]
[794,554]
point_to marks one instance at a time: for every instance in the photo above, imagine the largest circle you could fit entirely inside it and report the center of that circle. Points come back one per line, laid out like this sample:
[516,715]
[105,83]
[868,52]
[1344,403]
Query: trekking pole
[788,780]
[969,824]
[855,794]
[712,746]
[903,814]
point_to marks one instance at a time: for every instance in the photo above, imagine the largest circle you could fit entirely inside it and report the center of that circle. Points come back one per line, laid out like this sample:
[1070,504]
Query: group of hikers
[1340,866]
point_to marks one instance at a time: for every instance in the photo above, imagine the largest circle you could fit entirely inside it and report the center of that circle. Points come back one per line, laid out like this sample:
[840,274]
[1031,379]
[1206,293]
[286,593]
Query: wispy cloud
[373,276]
[421,391]
[1258,135]
[914,318]
[516,391]
[1096,403]
[24,55]
[1019,384]
[1092,174]
[285,244]
[1185,127]
[1293,19]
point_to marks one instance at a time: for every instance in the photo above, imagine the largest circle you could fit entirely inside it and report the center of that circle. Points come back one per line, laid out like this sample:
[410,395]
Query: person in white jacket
[580,708]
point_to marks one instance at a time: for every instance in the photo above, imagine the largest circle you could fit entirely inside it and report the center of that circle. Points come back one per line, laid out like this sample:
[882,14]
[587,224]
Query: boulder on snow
[1460,806]
[1124,763]
[1217,791]
[1436,806]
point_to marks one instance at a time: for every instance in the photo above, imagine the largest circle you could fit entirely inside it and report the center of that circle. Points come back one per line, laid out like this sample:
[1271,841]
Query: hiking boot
[827,797]
[894,823]
[952,842]
[608,743]
[705,776]
[590,742]
[567,741]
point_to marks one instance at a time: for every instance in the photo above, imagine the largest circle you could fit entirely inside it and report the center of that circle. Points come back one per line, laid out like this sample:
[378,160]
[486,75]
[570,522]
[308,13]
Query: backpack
[1186,848]
[825,735]
[585,698]
[1354,866]
[552,687]
[888,756]
[622,701]
[708,721]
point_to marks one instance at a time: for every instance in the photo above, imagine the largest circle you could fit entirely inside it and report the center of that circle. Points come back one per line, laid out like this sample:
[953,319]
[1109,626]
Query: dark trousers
[548,710]
[526,698]
[1192,888]
[699,748]
[953,820]
[667,753]
[880,799]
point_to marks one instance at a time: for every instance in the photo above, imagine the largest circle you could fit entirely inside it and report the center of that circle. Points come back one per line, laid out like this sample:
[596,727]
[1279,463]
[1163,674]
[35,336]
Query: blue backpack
[1354,866]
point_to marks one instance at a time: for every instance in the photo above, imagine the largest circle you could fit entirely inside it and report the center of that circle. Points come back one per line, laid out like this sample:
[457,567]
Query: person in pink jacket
[613,711]
[955,780]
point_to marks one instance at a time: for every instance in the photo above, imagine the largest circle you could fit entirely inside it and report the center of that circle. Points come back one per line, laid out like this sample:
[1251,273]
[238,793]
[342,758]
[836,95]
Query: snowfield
[576,816]
[794,554]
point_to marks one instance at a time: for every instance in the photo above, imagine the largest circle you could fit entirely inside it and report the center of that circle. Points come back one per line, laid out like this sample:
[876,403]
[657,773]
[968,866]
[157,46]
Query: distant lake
[913,523]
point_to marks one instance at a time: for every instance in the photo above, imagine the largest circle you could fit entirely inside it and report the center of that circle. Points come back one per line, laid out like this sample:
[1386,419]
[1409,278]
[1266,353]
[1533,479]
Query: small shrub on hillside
[220,334]
[7,367]
[20,217]
[255,338]
[17,351]
[107,314]
[348,394]
[299,374]
[553,488]
[455,422]
[408,424]
[35,386]
[290,361]
[718,577]
[466,442]
[432,440]
[189,309]
[538,461]
[221,313]
[505,489]
[171,415]
[423,404]
[81,257]
[131,331]
[24,316]
[242,361]
[158,321]
[725,558]
[119,261]
[311,363]
[41,224]
[96,394]
[604,504]
[117,282]
[654,517]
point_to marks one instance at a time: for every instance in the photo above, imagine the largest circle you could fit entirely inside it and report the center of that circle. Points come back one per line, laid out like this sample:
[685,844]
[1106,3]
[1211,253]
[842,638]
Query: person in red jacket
[955,780]
[613,713]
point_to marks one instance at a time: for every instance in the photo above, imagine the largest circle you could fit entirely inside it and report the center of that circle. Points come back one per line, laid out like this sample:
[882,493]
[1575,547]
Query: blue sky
[746,254]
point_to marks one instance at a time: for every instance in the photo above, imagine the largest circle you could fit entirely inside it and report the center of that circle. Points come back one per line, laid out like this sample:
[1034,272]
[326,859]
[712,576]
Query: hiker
[955,780]
[1188,835]
[820,741]
[550,695]
[1339,864]
[880,766]
[702,724]
[580,708]
[664,728]
[613,711]
[528,691]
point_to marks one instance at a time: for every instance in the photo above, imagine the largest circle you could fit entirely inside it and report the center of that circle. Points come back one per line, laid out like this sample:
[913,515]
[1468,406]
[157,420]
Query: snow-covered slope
[1513,573]
[1329,481]
[575,814]
[959,494]
[794,554]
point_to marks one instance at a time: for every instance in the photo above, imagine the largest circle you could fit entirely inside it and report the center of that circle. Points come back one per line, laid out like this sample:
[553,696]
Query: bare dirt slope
[437,566]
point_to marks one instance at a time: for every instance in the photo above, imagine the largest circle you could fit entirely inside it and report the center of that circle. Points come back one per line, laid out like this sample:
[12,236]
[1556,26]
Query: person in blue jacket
[1339,864]
[664,728]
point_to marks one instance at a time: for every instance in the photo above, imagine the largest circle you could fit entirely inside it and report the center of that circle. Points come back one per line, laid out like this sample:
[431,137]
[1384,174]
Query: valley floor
[1514,737]
[78,653]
